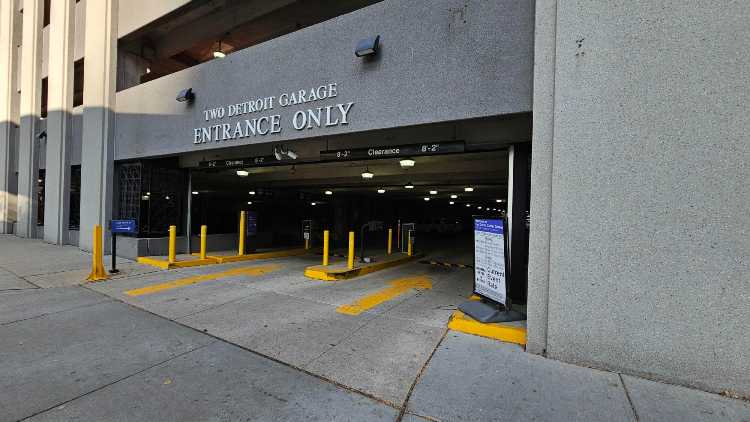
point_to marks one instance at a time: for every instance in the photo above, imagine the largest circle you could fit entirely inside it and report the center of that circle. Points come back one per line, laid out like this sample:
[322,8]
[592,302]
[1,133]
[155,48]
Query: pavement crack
[630,401]
[119,380]
[419,376]
[56,312]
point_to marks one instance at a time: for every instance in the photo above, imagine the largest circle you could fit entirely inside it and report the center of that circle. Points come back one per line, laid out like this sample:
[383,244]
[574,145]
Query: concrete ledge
[254,256]
[503,332]
[165,265]
[328,273]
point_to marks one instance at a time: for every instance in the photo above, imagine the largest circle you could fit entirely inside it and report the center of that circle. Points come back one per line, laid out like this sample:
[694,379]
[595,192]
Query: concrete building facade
[633,114]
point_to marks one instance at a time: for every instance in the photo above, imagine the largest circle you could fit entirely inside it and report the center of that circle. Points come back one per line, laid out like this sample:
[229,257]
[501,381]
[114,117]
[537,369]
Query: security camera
[42,134]
[291,154]
[185,95]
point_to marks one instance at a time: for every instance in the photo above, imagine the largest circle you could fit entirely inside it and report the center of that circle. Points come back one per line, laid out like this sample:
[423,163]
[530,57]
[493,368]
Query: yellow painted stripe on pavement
[249,271]
[396,288]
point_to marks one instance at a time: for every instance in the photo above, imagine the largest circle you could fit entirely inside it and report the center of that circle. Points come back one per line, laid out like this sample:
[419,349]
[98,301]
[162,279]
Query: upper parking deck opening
[208,30]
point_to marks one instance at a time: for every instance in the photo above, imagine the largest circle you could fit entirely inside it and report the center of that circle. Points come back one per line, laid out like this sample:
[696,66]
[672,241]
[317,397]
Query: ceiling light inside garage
[468,189]
[367,175]
[407,162]
[381,190]
[243,173]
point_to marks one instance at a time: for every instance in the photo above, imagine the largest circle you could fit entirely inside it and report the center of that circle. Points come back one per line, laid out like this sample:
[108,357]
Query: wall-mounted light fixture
[186,95]
[367,46]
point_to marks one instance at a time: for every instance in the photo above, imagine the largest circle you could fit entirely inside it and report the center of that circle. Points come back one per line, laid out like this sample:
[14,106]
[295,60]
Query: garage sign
[490,258]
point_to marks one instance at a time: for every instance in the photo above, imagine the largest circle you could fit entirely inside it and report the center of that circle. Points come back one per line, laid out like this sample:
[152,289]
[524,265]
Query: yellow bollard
[204,235]
[409,245]
[390,241]
[307,244]
[97,257]
[350,261]
[241,248]
[325,247]
[172,244]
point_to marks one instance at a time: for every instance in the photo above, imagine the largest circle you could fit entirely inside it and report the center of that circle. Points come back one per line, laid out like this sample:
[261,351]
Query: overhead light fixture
[479,208]
[468,189]
[426,199]
[195,192]
[313,203]
[367,175]
[167,197]
[433,192]
[381,190]
[367,46]
[451,202]
[498,200]
[185,95]
[468,205]
[219,52]
[243,173]
[454,196]
[328,192]
[145,198]
[249,202]
[252,192]
[407,162]
[409,186]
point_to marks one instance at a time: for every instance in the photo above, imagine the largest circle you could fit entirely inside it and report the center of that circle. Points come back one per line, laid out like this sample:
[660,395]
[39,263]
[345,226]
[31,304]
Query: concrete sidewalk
[471,378]
[80,353]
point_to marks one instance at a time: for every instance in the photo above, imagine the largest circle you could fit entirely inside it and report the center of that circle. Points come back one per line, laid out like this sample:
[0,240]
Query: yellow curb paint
[255,256]
[249,271]
[507,333]
[397,288]
[320,272]
[166,265]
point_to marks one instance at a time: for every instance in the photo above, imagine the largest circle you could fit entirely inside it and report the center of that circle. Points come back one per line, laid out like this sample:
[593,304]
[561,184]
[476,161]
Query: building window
[74,216]
[45,88]
[47,4]
[40,198]
[78,83]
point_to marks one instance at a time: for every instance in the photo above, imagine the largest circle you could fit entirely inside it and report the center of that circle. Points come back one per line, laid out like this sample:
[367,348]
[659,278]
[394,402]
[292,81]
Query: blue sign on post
[123,226]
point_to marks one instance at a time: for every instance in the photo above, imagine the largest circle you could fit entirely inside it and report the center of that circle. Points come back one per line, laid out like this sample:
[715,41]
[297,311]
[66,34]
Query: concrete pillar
[8,114]
[519,167]
[28,143]
[97,155]
[59,125]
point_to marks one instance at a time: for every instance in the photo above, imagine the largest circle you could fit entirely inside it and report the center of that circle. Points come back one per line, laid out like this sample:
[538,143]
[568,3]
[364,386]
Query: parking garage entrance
[429,192]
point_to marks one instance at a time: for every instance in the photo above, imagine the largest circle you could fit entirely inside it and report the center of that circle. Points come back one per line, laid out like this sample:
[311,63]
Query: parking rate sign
[489,258]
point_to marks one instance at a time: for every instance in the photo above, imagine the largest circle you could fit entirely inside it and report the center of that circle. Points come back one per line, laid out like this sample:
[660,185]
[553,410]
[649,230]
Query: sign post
[490,273]
[119,226]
